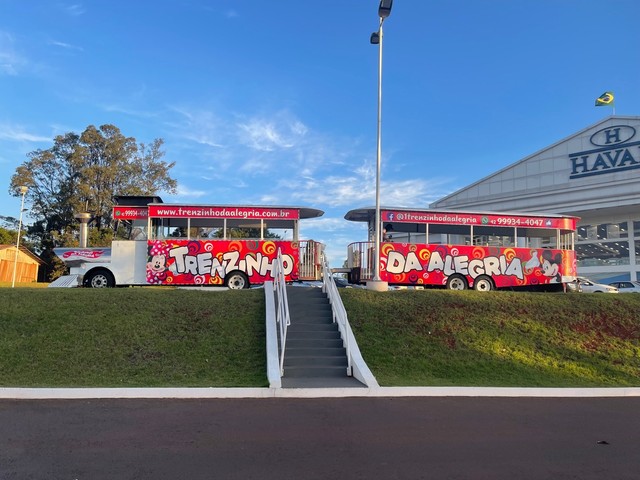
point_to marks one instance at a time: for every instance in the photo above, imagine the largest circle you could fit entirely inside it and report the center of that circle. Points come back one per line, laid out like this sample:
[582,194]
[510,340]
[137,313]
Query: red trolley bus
[461,249]
[180,244]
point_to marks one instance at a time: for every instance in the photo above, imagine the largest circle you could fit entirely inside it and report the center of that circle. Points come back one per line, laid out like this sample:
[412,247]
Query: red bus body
[197,245]
[533,251]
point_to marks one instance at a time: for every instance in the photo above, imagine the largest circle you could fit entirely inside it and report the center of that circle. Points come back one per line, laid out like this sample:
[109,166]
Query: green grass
[142,337]
[131,337]
[498,338]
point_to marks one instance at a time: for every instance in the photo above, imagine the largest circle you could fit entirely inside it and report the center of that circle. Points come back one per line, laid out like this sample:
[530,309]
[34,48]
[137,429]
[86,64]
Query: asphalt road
[345,438]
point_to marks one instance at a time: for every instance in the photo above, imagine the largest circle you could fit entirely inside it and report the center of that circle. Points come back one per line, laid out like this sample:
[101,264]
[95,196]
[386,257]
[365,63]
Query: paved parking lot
[320,438]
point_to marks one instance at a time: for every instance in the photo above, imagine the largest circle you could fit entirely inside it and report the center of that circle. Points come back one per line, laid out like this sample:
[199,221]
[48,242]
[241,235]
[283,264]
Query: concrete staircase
[314,355]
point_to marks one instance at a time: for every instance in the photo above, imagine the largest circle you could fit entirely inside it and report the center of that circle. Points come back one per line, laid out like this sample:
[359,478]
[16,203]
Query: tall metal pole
[23,190]
[376,266]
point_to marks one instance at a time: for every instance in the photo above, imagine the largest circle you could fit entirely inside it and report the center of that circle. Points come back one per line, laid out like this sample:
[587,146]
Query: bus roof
[367,213]
[136,200]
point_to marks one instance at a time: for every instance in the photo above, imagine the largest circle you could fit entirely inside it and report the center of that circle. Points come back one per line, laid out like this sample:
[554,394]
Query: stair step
[315,352]
[312,327]
[322,382]
[315,361]
[312,320]
[305,290]
[310,335]
[310,372]
[313,343]
[309,308]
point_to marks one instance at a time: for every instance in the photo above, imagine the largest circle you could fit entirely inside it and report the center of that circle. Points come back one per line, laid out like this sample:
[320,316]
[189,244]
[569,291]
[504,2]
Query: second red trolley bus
[465,249]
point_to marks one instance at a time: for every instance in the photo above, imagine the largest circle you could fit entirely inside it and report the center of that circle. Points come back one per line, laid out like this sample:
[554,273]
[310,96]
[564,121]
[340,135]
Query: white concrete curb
[195,393]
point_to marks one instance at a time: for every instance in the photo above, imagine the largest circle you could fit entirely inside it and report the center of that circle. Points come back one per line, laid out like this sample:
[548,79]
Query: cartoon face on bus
[551,265]
[156,264]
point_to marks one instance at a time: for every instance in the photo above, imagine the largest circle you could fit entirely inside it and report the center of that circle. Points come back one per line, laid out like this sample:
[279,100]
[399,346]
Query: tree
[7,237]
[82,173]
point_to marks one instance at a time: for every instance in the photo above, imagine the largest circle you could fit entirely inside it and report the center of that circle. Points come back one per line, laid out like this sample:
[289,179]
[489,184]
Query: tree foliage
[82,173]
[7,237]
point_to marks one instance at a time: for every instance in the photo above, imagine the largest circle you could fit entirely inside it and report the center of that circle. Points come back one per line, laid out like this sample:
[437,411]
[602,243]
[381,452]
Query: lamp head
[22,189]
[384,10]
[375,38]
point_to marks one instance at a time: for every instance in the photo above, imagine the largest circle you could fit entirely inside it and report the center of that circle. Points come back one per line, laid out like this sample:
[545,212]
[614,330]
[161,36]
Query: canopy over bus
[463,217]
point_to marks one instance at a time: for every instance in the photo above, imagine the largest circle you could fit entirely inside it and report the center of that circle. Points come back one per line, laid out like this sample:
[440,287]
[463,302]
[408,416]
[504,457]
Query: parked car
[589,286]
[573,287]
[627,287]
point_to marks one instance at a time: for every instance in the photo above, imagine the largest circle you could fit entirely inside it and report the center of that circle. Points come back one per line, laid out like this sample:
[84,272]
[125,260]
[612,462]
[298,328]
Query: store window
[603,253]
[605,231]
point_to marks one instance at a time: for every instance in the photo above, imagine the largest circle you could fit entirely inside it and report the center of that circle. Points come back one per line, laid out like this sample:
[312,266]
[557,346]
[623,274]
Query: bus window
[566,240]
[138,233]
[205,228]
[278,230]
[169,228]
[404,232]
[537,238]
[450,234]
[493,236]
[131,230]
[241,228]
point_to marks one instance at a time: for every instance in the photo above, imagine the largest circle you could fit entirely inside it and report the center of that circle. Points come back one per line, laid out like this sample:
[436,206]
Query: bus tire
[483,284]
[99,278]
[457,282]
[236,280]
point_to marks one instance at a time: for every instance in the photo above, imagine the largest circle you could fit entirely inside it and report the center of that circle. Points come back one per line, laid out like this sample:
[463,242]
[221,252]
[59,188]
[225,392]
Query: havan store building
[593,174]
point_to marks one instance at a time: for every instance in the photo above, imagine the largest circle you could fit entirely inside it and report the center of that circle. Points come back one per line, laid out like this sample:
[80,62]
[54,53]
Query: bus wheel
[99,279]
[236,281]
[456,282]
[483,284]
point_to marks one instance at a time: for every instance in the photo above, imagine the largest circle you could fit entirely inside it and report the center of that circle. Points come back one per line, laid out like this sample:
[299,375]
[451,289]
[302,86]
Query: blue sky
[275,102]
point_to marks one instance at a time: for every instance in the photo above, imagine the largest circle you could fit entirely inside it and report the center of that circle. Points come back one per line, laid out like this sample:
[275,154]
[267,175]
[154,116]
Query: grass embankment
[498,338]
[174,337]
[131,337]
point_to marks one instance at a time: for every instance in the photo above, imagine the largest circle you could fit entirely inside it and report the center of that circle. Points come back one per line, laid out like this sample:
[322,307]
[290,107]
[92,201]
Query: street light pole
[23,190]
[384,10]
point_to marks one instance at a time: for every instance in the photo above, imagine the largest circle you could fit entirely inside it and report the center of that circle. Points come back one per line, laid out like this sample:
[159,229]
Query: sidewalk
[191,393]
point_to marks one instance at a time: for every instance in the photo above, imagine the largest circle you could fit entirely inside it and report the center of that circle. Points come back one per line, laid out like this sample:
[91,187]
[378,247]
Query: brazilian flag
[606,99]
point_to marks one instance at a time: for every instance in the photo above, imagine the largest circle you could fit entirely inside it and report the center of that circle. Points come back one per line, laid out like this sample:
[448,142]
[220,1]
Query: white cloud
[19,134]
[280,132]
[74,9]
[263,136]
[114,107]
[66,46]
[188,193]
[198,126]
[412,193]
[10,61]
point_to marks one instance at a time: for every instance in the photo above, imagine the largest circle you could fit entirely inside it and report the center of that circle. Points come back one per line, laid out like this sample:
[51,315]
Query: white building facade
[593,174]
